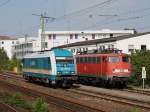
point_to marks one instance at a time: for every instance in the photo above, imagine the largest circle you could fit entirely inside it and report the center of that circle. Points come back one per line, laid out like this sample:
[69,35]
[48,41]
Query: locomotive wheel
[66,84]
[30,79]
[108,84]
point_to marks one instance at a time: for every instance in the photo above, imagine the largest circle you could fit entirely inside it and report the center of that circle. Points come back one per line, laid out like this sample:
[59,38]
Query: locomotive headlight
[72,72]
[116,70]
[126,70]
[58,72]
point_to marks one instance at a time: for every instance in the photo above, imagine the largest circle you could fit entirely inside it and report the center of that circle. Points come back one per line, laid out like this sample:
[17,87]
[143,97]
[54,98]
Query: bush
[4,60]
[14,62]
[140,59]
[41,105]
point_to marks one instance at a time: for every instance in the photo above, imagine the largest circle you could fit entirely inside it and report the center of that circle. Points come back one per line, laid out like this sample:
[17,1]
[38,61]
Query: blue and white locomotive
[55,67]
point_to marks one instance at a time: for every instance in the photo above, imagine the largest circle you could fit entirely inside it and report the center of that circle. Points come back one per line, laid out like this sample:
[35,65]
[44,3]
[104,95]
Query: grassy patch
[135,109]
[17,100]
[40,105]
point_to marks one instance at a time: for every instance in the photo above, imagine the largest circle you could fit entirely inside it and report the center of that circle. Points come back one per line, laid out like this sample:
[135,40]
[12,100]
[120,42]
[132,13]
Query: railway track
[58,101]
[117,99]
[12,75]
[131,90]
[139,91]
[7,108]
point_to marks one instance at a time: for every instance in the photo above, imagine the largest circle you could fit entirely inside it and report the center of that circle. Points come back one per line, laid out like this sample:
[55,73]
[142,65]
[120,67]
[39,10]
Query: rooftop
[7,38]
[104,40]
[103,31]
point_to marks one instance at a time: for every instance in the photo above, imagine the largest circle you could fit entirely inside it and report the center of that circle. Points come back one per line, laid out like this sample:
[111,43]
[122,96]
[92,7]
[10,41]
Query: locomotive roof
[57,52]
[37,54]
[101,54]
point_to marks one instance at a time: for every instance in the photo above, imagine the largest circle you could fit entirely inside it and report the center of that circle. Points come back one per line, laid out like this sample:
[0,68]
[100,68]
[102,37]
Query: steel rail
[59,101]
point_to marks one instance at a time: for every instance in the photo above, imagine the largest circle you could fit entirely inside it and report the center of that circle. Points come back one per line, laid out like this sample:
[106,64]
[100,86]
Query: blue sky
[16,17]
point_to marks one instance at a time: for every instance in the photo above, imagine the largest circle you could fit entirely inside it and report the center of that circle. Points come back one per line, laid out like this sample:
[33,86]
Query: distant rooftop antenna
[43,20]
[26,38]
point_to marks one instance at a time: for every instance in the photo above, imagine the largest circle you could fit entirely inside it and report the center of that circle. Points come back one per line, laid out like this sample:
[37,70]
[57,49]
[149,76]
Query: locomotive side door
[103,66]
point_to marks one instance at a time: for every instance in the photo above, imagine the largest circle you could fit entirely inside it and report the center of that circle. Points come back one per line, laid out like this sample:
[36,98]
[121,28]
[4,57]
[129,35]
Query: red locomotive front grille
[119,69]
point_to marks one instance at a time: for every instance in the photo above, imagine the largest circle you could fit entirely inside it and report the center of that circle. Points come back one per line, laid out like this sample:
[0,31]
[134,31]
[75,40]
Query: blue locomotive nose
[65,69]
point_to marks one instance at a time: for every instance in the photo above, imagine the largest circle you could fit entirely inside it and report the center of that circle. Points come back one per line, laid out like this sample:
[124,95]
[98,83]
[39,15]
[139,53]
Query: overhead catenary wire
[85,10]
[118,18]
[4,3]
[72,14]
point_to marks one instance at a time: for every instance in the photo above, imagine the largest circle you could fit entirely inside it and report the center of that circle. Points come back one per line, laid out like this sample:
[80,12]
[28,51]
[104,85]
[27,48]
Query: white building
[25,46]
[126,43]
[57,38]
[6,43]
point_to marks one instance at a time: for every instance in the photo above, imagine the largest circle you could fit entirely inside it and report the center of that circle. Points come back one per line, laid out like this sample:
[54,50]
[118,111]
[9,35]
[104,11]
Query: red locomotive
[108,69]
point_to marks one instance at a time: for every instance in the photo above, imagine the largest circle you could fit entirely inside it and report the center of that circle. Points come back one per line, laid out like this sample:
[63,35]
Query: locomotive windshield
[126,59]
[113,59]
[65,60]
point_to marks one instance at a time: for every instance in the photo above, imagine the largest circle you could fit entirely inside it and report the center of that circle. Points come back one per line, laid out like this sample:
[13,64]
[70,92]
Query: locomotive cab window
[66,60]
[85,60]
[89,60]
[126,59]
[93,59]
[77,60]
[104,59]
[113,59]
[81,59]
[98,60]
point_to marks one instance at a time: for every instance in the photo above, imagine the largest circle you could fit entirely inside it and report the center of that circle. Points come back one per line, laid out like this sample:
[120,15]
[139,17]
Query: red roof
[7,38]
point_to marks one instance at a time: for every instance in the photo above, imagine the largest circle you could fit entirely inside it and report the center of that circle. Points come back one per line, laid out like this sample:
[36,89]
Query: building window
[143,47]
[50,36]
[12,42]
[104,35]
[86,38]
[46,45]
[83,49]
[86,49]
[54,36]
[71,36]
[76,36]
[102,47]
[93,36]
[109,46]
[111,35]
[131,48]
[2,42]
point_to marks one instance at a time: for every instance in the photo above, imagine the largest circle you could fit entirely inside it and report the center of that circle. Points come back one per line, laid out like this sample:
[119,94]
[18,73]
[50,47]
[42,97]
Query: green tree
[14,62]
[4,60]
[140,59]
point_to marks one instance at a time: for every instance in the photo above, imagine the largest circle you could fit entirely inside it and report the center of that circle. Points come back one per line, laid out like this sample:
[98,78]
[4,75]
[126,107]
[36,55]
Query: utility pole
[43,19]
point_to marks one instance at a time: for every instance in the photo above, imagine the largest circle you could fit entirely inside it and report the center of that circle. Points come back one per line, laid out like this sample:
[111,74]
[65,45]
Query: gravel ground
[3,89]
[109,106]
[116,92]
